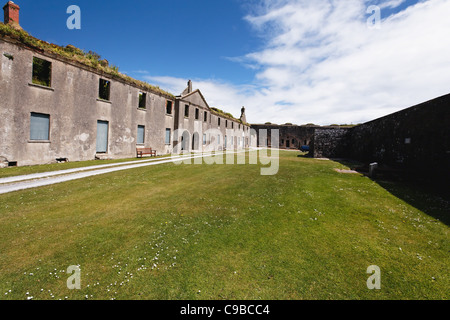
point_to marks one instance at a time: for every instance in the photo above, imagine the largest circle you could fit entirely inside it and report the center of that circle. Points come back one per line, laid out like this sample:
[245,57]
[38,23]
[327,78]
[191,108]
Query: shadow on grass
[428,192]
[304,155]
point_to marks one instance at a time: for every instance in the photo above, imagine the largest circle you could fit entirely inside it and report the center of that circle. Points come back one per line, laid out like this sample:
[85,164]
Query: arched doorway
[185,141]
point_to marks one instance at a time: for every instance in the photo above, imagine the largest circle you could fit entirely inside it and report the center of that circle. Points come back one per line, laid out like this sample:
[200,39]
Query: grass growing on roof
[90,59]
[221,232]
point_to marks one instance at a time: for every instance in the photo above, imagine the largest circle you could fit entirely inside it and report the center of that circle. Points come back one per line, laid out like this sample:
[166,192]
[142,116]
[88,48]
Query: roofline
[211,109]
[56,56]
[191,93]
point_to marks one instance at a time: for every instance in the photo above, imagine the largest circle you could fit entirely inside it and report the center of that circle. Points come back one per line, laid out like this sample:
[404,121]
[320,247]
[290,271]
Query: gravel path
[11,184]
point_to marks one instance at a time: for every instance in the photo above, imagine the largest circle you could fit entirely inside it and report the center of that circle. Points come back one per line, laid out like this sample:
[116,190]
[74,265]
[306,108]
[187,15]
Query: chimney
[243,117]
[189,86]
[12,14]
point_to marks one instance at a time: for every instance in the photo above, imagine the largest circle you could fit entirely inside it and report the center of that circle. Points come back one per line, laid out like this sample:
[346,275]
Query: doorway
[102,136]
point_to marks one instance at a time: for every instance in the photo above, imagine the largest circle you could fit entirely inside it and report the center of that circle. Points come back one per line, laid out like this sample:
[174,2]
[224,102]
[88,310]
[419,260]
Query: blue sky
[298,61]
[163,37]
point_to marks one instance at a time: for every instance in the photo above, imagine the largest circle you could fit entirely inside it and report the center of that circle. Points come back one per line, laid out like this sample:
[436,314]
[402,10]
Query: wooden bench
[144,151]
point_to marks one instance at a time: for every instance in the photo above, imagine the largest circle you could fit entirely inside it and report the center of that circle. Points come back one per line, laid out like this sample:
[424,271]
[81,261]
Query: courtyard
[223,232]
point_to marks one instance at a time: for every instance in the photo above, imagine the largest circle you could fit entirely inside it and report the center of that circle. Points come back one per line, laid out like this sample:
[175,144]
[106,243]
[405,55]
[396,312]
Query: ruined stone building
[61,103]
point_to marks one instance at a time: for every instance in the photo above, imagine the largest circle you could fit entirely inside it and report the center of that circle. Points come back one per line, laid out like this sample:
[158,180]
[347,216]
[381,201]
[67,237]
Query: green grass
[221,232]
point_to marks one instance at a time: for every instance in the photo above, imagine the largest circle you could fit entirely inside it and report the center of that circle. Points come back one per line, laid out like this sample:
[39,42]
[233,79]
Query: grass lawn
[222,232]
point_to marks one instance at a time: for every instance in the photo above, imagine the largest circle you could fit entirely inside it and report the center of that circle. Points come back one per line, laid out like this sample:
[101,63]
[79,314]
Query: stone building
[60,103]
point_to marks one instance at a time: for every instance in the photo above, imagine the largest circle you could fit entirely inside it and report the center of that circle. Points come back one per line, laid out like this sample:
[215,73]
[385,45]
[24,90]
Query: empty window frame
[39,127]
[104,89]
[218,122]
[205,116]
[169,105]
[140,135]
[226,123]
[186,111]
[142,100]
[42,72]
[167,141]
[232,125]
[197,114]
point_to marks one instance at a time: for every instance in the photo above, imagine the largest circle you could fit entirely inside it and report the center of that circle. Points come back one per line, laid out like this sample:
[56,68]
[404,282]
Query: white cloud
[322,64]
[218,94]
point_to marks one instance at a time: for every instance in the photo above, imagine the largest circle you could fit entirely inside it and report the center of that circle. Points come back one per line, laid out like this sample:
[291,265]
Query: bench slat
[142,151]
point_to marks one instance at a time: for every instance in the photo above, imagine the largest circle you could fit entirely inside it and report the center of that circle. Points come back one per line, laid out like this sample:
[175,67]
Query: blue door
[102,136]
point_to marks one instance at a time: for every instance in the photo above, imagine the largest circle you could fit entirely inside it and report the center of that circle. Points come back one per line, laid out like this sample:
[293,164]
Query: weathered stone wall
[416,138]
[73,107]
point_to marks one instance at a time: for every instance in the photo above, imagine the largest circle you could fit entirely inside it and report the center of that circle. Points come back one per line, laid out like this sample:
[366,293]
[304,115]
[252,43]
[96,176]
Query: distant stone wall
[291,136]
[329,143]
[416,139]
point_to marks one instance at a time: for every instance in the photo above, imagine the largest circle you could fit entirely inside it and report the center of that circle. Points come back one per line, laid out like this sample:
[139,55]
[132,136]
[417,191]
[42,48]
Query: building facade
[54,108]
